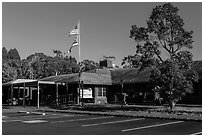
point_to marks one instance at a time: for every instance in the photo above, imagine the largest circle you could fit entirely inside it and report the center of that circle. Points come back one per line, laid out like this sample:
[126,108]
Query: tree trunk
[172,105]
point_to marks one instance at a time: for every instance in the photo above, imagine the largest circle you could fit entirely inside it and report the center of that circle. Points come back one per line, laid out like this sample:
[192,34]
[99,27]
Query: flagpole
[79,62]
[79,42]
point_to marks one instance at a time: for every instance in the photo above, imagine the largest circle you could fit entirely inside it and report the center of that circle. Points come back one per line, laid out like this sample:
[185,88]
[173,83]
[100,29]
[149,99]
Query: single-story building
[106,85]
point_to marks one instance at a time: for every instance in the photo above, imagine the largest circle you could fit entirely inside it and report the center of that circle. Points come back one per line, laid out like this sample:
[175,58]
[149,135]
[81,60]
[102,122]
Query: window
[101,91]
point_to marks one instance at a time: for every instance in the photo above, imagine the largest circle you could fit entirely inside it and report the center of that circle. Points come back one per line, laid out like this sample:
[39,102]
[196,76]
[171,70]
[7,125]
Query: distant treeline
[39,65]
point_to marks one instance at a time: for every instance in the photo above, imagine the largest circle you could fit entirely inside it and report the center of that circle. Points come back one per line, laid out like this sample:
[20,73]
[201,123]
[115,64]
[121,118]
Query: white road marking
[15,120]
[151,126]
[34,121]
[68,115]
[112,122]
[81,119]
[197,133]
[47,117]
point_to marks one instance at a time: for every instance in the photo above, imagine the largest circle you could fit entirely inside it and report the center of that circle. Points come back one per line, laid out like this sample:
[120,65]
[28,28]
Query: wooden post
[38,100]
[42,101]
[18,94]
[8,95]
[23,94]
[56,94]
[78,94]
[67,90]
[82,99]
[11,94]
[121,93]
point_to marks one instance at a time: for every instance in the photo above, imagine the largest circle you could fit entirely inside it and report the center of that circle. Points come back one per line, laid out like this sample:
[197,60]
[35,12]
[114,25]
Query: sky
[36,27]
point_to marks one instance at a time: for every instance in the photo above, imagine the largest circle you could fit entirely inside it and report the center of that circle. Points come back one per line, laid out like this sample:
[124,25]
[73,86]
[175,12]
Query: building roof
[104,76]
[19,81]
[27,82]
[100,77]
[130,75]
[107,76]
[97,77]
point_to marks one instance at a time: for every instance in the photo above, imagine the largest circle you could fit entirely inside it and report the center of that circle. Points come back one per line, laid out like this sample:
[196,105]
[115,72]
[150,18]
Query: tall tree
[13,54]
[4,54]
[8,73]
[172,76]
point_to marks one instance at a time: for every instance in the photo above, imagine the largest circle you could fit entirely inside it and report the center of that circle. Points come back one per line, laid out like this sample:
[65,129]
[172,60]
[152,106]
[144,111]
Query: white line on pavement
[68,115]
[112,122]
[81,119]
[151,126]
[15,120]
[47,117]
[34,121]
[4,116]
[197,133]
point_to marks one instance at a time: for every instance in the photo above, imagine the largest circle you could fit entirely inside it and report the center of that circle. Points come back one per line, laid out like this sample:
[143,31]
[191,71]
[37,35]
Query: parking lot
[77,124]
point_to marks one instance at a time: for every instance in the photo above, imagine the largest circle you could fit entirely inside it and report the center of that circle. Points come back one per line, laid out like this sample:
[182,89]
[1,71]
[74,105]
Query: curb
[122,115]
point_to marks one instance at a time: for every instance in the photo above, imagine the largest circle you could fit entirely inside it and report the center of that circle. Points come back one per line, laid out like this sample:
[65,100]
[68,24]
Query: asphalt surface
[51,123]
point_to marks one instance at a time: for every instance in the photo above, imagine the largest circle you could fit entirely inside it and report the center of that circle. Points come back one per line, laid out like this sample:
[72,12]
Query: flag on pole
[75,43]
[75,31]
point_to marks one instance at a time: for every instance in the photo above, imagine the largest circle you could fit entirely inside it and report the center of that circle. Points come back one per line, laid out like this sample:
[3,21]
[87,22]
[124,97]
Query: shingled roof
[97,77]
[111,76]
[130,75]
[104,76]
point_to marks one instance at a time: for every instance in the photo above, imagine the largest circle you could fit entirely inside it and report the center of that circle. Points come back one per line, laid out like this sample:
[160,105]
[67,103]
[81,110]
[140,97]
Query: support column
[38,99]
[82,87]
[67,89]
[42,92]
[57,94]
[8,95]
[78,94]
[122,93]
[18,94]
[28,96]
[23,94]
[12,95]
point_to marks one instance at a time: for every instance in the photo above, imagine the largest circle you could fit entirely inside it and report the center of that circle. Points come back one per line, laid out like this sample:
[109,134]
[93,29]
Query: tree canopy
[13,54]
[164,35]
[36,66]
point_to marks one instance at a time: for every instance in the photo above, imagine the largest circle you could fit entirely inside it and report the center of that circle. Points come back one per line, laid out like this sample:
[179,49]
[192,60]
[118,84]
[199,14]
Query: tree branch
[158,56]
[164,45]
[178,48]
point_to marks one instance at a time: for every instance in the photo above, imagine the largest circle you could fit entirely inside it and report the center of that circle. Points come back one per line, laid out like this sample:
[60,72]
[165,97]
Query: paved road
[72,124]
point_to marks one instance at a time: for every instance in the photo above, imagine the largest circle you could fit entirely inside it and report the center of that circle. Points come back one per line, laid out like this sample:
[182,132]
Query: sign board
[87,93]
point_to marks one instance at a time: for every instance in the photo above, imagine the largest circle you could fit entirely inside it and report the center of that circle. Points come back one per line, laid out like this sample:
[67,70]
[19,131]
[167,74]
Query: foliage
[11,70]
[172,76]
[171,82]
[10,65]
[13,54]
[8,73]
[58,53]
[35,66]
[89,65]
[4,54]
[40,66]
